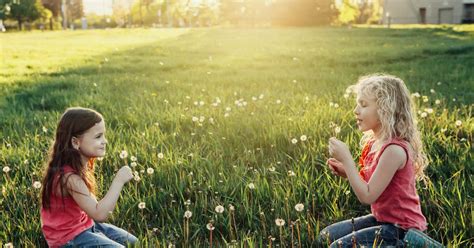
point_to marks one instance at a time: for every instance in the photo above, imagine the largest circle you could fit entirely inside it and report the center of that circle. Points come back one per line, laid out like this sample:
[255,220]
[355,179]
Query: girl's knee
[323,237]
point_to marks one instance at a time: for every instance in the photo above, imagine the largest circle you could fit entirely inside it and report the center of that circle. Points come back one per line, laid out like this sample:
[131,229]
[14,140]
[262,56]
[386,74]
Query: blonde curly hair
[396,113]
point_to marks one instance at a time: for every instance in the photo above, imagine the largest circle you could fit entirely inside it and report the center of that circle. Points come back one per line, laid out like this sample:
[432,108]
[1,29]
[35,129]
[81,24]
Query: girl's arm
[392,158]
[98,210]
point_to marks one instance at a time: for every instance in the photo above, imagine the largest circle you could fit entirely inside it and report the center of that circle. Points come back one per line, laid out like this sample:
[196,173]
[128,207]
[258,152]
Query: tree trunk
[19,23]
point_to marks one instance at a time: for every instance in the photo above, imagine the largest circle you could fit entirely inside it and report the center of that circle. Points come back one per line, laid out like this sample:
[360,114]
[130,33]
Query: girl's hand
[336,167]
[124,174]
[340,151]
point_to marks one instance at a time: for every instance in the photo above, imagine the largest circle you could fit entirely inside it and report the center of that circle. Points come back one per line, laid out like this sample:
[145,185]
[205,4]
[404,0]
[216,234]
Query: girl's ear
[75,142]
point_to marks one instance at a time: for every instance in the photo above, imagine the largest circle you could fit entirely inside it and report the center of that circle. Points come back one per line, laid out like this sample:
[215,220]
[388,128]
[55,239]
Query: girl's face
[92,143]
[366,113]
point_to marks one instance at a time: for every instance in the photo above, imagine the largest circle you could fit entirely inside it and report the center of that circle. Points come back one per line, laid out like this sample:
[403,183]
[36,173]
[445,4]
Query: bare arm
[98,210]
[392,158]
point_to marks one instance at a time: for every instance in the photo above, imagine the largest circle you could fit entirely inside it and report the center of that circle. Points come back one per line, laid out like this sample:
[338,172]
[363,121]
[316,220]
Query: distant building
[428,11]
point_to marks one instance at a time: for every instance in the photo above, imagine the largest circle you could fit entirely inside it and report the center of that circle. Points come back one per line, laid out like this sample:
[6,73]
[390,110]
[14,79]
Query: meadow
[229,127]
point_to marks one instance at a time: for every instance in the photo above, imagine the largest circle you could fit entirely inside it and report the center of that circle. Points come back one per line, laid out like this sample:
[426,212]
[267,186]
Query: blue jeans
[367,232]
[103,235]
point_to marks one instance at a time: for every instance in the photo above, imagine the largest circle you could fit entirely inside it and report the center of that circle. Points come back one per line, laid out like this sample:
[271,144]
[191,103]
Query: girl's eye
[98,136]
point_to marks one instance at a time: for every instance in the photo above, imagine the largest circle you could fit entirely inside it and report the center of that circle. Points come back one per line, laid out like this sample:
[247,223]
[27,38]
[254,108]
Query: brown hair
[73,123]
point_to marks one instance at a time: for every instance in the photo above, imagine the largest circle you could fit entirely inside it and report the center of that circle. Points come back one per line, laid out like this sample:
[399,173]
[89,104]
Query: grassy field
[215,113]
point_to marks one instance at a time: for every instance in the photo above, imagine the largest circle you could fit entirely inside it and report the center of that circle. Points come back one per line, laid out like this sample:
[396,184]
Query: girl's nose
[355,110]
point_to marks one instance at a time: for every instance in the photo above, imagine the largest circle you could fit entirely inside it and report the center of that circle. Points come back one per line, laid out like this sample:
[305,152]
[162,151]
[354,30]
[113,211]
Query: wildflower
[195,119]
[123,154]
[219,209]
[423,115]
[136,178]
[294,141]
[337,130]
[416,94]
[8,245]
[271,169]
[188,214]
[280,222]
[432,91]
[6,169]
[210,227]
[458,124]
[231,207]
[141,205]
[45,130]
[303,138]
[425,99]
[437,102]
[133,158]
[150,171]
[251,186]
[160,155]
[37,185]
[133,164]
[299,207]
[291,173]
[278,101]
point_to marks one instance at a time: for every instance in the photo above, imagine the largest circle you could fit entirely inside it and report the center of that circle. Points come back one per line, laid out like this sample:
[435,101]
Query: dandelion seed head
[188,214]
[280,222]
[219,209]
[210,226]
[251,186]
[123,154]
[299,207]
[37,185]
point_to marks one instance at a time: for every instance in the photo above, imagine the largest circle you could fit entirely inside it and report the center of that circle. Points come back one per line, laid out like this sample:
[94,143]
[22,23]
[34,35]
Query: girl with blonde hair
[391,162]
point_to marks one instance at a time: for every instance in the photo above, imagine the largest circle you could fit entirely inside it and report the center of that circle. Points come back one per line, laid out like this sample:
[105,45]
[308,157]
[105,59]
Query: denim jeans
[103,235]
[367,232]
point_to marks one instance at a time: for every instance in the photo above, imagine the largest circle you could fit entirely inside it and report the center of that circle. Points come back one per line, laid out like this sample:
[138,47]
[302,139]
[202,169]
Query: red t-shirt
[399,203]
[64,220]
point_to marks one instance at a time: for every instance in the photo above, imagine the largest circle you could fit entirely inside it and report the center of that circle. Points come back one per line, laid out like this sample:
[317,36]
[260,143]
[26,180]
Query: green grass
[146,83]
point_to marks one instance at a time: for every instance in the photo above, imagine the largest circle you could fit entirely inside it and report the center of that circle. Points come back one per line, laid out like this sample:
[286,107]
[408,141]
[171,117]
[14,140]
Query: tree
[55,7]
[304,12]
[74,10]
[25,10]
[348,12]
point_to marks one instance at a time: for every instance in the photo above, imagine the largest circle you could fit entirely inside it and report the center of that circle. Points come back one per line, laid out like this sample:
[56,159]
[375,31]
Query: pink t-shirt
[64,220]
[399,203]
